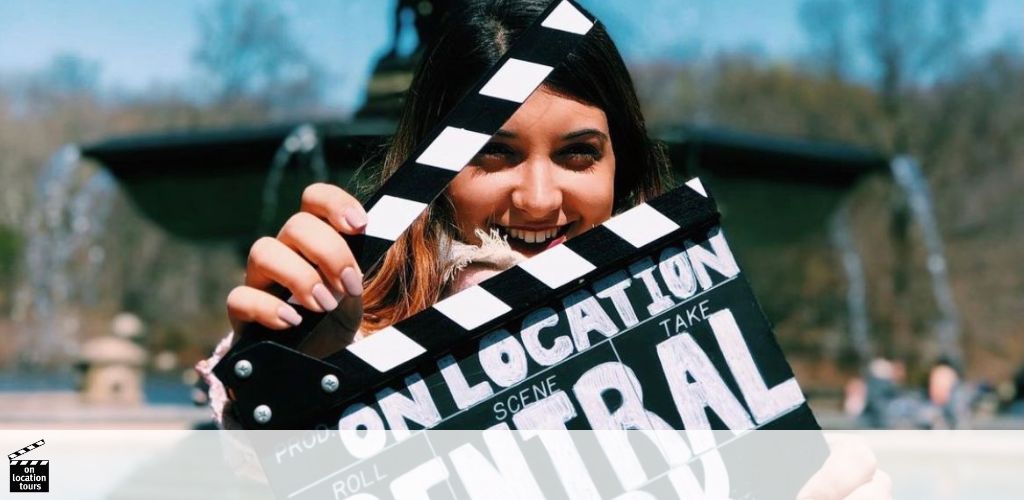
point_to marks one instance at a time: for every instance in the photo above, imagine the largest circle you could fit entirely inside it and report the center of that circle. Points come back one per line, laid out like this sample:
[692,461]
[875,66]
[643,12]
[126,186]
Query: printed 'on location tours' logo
[29,476]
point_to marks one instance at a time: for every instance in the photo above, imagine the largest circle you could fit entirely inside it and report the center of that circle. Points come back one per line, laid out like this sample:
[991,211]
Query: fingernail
[353,282]
[355,218]
[289,315]
[324,297]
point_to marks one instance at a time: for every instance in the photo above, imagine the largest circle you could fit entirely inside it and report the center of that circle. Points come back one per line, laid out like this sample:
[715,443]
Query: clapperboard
[642,323]
[29,475]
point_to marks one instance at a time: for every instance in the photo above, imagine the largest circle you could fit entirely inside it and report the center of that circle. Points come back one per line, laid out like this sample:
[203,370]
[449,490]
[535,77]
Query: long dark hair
[471,40]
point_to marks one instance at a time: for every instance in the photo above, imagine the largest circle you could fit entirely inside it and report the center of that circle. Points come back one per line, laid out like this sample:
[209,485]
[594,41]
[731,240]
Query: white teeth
[532,236]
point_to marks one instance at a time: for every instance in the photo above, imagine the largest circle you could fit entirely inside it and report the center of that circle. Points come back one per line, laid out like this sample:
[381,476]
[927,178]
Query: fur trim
[493,252]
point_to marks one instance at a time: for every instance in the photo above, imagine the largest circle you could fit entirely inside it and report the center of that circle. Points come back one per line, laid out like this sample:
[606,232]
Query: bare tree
[69,73]
[826,24]
[904,43]
[248,50]
[913,39]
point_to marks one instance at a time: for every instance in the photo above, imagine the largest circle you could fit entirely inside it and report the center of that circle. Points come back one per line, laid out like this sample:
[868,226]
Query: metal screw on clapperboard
[29,476]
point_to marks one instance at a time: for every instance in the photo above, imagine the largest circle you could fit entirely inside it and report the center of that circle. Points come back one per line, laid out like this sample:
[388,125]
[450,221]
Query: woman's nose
[537,193]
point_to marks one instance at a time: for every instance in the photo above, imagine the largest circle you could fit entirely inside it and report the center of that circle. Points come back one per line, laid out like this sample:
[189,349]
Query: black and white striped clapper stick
[29,462]
[284,384]
[468,126]
[460,316]
[17,453]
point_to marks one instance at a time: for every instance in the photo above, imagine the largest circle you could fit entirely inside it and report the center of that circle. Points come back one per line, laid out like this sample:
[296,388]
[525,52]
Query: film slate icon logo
[29,476]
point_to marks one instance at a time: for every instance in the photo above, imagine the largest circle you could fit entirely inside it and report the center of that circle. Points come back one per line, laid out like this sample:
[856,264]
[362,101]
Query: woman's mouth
[534,240]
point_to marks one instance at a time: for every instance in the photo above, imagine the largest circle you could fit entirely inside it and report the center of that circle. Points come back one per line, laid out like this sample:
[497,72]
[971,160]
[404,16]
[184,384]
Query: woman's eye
[580,155]
[493,150]
[494,156]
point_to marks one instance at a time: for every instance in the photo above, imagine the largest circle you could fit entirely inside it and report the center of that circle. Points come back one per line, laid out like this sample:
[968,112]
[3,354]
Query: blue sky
[141,43]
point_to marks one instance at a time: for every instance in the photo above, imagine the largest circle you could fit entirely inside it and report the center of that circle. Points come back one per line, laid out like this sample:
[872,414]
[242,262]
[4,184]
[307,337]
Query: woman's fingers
[850,465]
[246,305]
[271,261]
[320,244]
[309,258]
[334,205]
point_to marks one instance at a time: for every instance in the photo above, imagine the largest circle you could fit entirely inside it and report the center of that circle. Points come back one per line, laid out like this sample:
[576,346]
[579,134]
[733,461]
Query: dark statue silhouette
[393,71]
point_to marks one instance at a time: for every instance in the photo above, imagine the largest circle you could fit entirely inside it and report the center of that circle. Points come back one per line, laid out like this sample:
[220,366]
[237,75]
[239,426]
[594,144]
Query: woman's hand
[308,257]
[850,473]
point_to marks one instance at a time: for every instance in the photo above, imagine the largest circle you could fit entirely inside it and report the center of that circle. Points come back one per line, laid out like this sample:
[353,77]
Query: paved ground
[65,410]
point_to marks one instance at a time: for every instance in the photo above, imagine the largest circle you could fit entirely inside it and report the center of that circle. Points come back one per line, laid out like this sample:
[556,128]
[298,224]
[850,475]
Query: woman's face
[546,176]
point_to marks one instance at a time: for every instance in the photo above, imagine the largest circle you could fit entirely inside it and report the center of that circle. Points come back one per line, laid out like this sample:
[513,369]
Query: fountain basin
[207,186]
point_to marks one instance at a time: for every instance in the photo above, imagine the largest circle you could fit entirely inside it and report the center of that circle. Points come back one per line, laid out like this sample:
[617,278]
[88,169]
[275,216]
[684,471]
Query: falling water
[70,207]
[302,144]
[841,235]
[910,178]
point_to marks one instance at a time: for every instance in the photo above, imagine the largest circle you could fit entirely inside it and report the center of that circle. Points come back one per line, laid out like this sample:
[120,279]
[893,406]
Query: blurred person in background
[948,395]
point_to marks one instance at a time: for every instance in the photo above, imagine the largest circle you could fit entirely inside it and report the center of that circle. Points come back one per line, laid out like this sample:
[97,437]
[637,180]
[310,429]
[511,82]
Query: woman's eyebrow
[587,132]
